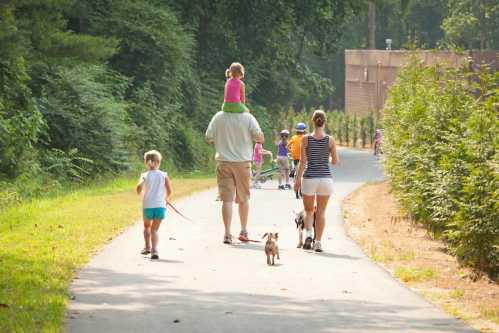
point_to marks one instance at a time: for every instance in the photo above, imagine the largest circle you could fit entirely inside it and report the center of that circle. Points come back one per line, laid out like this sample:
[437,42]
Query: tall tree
[473,23]
[371,25]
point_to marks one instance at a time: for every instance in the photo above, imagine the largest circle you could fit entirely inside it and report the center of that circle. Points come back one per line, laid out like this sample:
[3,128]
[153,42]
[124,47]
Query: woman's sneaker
[145,251]
[308,243]
[154,255]
[317,246]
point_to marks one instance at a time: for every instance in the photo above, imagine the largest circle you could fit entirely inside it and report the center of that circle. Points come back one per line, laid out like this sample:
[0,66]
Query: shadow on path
[232,311]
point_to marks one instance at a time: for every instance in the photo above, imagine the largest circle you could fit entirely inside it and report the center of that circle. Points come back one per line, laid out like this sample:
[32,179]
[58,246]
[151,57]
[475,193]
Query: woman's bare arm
[332,150]
[303,157]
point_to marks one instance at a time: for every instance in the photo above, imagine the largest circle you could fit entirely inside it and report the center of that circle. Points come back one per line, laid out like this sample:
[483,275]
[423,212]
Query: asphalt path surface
[200,284]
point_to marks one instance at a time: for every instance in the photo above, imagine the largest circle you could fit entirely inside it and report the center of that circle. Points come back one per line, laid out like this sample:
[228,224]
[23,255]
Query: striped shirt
[318,158]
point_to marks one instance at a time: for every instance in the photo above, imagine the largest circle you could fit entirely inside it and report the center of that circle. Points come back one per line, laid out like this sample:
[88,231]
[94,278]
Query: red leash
[251,241]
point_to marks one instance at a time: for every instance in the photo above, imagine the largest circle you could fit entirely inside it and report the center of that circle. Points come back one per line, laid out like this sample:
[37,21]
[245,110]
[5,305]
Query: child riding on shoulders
[234,92]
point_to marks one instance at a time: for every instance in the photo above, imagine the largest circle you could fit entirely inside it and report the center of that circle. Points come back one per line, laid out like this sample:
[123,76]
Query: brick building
[370,73]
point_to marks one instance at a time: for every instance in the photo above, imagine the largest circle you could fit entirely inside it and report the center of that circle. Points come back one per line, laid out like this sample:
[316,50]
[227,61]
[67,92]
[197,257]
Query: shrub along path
[202,285]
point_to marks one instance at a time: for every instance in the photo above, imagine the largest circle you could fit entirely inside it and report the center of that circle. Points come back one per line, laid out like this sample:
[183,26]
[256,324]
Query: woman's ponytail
[319,118]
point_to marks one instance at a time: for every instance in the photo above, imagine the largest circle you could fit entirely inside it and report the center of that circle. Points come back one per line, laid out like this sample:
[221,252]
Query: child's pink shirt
[258,153]
[233,91]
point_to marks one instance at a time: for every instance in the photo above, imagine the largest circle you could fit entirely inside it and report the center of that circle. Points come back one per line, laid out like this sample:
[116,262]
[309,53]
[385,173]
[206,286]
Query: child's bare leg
[154,234]
[147,234]
[257,173]
[280,176]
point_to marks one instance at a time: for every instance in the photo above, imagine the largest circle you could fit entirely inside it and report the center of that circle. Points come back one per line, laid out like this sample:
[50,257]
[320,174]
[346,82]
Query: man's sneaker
[308,243]
[228,239]
[154,255]
[288,187]
[243,236]
[317,246]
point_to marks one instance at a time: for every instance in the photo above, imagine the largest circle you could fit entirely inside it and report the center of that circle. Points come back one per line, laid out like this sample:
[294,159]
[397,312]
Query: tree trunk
[371,25]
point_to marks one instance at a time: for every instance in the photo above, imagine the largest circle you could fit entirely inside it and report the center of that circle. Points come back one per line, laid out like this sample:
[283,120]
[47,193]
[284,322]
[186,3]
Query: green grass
[409,274]
[45,241]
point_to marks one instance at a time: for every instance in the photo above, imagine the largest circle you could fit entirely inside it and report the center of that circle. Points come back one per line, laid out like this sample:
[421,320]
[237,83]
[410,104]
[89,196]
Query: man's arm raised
[256,131]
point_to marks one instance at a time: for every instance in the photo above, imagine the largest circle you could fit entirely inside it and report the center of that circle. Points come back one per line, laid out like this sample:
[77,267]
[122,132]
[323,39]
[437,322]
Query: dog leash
[190,220]
[251,241]
[179,212]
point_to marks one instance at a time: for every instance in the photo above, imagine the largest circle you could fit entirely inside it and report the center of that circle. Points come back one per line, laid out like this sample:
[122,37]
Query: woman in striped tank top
[318,150]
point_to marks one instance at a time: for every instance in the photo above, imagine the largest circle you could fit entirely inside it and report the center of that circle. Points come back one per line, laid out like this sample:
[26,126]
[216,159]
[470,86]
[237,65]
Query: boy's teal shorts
[154,213]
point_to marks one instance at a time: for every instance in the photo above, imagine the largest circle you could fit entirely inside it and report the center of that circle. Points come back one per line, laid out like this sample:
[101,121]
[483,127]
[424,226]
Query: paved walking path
[202,285]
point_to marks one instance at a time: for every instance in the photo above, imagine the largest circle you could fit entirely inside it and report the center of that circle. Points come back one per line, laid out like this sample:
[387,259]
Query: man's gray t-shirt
[233,135]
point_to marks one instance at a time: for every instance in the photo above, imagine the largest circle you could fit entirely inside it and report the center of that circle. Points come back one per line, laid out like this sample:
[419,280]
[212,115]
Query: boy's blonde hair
[152,158]
[235,69]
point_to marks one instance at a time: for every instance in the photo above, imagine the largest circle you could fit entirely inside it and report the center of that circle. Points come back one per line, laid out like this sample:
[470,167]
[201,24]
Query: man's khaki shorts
[233,180]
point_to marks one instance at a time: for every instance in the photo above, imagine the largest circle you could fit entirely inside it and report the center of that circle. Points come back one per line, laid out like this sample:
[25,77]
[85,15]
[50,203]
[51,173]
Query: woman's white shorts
[317,186]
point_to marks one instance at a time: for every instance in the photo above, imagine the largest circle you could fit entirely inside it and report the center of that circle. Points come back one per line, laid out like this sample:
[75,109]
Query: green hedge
[347,129]
[441,148]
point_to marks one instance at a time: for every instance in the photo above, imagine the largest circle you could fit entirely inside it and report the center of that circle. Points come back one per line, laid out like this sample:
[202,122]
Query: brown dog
[271,248]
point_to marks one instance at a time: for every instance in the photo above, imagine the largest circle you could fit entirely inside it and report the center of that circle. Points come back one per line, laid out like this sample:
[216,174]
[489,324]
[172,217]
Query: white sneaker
[317,246]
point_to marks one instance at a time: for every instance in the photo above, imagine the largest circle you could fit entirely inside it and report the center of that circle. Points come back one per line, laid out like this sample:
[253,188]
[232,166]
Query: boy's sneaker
[154,255]
[317,246]
[228,239]
[288,187]
[145,251]
[308,243]
[243,236]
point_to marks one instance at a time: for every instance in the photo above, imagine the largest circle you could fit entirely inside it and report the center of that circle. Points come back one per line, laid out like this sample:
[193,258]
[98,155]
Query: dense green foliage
[473,24]
[88,86]
[442,146]
[98,82]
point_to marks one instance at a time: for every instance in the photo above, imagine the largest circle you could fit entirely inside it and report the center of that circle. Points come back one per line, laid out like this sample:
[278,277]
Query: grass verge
[373,219]
[45,241]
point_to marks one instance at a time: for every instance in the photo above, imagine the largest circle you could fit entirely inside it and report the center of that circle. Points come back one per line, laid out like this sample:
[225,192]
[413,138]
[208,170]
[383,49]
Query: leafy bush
[66,165]
[20,120]
[85,110]
[442,157]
